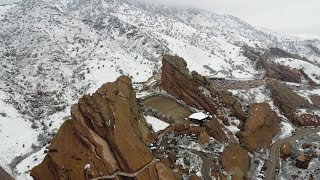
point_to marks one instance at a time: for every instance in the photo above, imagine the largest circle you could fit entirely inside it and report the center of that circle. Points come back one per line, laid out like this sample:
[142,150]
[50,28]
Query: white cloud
[289,16]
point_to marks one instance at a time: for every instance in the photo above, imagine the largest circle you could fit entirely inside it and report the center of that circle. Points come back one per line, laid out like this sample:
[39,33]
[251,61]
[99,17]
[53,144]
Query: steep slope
[53,52]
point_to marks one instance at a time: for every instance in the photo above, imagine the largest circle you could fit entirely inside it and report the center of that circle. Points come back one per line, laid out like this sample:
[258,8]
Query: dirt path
[273,161]
[119,173]
[4,175]
[207,160]
[167,107]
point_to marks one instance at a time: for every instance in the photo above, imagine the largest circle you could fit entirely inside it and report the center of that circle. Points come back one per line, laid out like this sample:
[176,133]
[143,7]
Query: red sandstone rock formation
[307,120]
[108,131]
[236,161]
[283,73]
[260,127]
[285,150]
[286,99]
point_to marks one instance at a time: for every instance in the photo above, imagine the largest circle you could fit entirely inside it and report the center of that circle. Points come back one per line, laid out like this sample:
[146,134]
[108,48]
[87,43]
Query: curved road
[207,160]
[273,161]
[119,173]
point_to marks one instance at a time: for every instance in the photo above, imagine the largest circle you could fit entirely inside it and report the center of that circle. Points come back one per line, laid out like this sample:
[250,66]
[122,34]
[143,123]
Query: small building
[199,118]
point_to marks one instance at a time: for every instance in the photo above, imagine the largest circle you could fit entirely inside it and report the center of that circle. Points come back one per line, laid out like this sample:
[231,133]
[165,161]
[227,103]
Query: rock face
[285,150]
[235,160]
[286,99]
[284,54]
[308,120]
[214,129]
[108,131]
[283,73]
[197,91]
[177,81]
[260,127]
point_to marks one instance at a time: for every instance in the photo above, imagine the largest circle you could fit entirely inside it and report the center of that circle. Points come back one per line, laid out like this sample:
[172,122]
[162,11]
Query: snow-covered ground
[54,51]
[157,124]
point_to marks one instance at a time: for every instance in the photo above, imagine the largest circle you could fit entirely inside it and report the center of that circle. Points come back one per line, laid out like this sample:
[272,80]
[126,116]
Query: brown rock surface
[284,54]
[194,177]
[203,138]
[213,128]
[177,81]
[286,99]
[235,160]
[302,161]
[108,131]
[197,91]
[260,127]
[306,145]
[285,150]
[283,73]
[308,120]
[315,100]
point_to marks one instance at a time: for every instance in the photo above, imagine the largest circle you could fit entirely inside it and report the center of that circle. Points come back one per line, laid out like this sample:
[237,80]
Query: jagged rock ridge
[108,131]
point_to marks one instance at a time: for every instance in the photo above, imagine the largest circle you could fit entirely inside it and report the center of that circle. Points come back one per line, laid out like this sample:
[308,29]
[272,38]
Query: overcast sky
[288,16]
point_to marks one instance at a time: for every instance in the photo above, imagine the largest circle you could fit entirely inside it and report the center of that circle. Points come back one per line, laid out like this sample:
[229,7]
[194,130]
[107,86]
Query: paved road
[207,160]
[119,173]
[4,175]
[273,161]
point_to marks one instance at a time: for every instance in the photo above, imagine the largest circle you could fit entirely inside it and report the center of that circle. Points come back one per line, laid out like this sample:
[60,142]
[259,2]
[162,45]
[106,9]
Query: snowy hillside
[54,51]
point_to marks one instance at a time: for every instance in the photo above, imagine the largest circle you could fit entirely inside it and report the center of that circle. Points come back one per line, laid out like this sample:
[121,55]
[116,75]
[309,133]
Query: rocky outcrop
[308,120]
[235,160]
[199,92]
[284,54]
[232,103]
[260,127]
[283,73]
[106,134]
[285,150]
[260,58]
[286,99]
[193,89]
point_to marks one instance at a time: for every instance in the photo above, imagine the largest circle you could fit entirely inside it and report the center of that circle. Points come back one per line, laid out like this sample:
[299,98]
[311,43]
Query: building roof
[199,116]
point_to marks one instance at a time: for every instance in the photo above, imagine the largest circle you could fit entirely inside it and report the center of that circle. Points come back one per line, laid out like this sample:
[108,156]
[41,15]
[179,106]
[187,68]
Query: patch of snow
[198,116]
[156,124]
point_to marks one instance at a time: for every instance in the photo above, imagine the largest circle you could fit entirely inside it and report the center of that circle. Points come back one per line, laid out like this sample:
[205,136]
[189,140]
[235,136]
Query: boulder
[107,131]
[235,160]
[285,150]
[260,127]
[283,73]
[286,99]
[307,120]
[302,161]
[306,145]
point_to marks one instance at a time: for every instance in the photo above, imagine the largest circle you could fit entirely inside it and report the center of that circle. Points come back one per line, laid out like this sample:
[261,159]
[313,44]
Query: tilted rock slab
[260,127]
[108,131]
